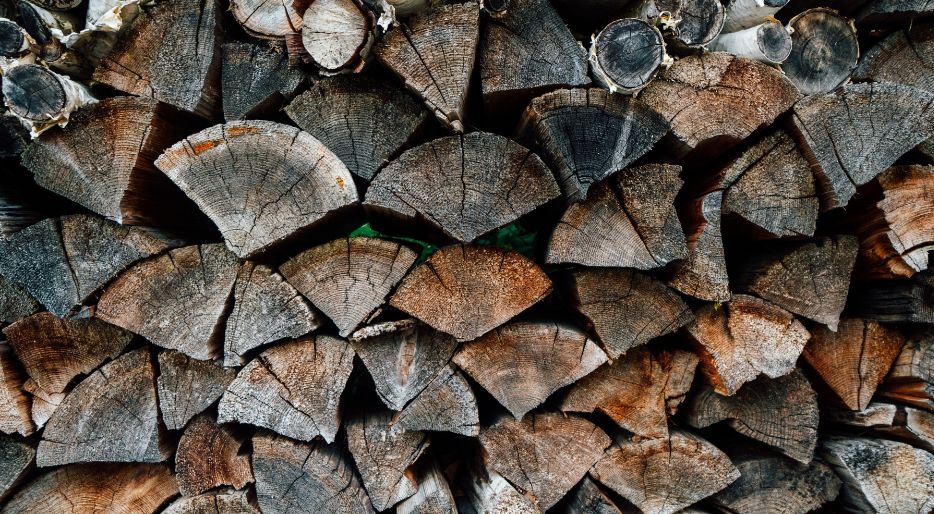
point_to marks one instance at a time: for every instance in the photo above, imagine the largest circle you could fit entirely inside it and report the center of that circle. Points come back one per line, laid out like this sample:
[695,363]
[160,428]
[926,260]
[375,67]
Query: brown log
[486,491]
[911,379]
[44,403]
[626,55]
[906,424]
[824,51]
[519,371]
[703,273]
[433,495]
[16,460]
[256,79]
[447,404]
[272,20]
[208,457]
[188,386]
[14,407]
[219,502]
[627,308]
[902,57]
[879,12]
[545,454]
[589,498]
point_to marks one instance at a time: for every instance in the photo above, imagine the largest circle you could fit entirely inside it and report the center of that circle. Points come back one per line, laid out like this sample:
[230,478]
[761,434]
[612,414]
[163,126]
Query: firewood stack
[427,256]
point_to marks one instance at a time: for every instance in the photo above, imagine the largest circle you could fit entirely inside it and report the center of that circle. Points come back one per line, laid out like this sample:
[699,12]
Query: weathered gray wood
[14,405]
[267,19]
[906,424]
[904,56]
[256,79]
[626,55]
[911,379]
[15,303]
[16,460]
[447,404]
[36,94]
[188,386]
[701,21]
[742,14]
[703,273]
[824,50]
[769,482]
[589,498]
[486,491]
[338,34]
[433,495]
[879,12]
[221,502]
[209,456]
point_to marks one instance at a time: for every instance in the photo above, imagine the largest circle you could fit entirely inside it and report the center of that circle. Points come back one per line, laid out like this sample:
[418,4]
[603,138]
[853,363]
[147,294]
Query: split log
[893,301]
[221,502]
[744,338]
[188,386]
[292,388]
[347,279]
[703,273]
[175,300]
[545,454]
[824,51]
[911,379]
[627,309]
[338,34]
[16,459]
[363,120]
[882,476]
[256,79]
[768,42]
[878,12]
[466,290]
[171,55]
[208,457]
[305,477]
[810,279]
[588,498]
[413,51]
[266,308]
[626,55]
[22,202]
[526,51]
[403,358]
[265,19]
[521,372]
[854,360]
[433,495]
[41,97]
[742,14]
[15,303]
[715,100]
[110,416]
[44,403]
[902,57]
[576,127]
[629,221]
[82,488]
[906,424]
[780,412]
[486,491]
[662,476]
[294,182]
[447,404]
[14,405]
[860,130]
[384,455]
[638,391]
[499,182]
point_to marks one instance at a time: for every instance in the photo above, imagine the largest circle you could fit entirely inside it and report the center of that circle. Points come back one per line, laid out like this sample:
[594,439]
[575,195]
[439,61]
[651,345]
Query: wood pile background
[356,256]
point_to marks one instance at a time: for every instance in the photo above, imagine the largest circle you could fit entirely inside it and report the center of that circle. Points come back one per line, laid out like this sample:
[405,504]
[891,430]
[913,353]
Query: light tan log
[209,456]
[44,403]
[338,34]
[433,495]
[188,386]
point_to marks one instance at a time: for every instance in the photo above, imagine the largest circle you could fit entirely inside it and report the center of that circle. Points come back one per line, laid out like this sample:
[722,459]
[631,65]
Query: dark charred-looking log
[188,386]
[824,51]
[37,94]
[209,456]
[16,458]
[703,273]
[256,79]
[589,498]
[701,21]
[894,301]
[626,55]
[15,303]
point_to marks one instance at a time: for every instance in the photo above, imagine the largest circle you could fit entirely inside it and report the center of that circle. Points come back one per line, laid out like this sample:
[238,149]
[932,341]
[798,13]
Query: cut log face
[545,454]
[744,338]
[626,55]
[43,402]
[486,491]
[347,279]
[14,405]
[118,488]
[882,476]
[854,360]
[576,128]
[256,78]
[810,279]
[588,498]
[703,274]
[384,455]
[266,308]
[627,222]
[413,51]
[333,112]
[915,363]
[766,482]
[903,243]
[627,308]
[175,300]
[500,181]
[301,477]
[905,57]
[663,476]
[293,183]
[433,495]
[403,358]
[221,502]
[208,457]
[268,19]
[110,416]
[780,412]
[447,404]
[466,290]
[35,94]
[292,388]
[824,51]
[845,133]
[894,301]
[767,42]
[638,391]
[15,303]
[907,424]
[337,34]
[15,460]
[188,386]
[742,14]
[521,364]
[701,21]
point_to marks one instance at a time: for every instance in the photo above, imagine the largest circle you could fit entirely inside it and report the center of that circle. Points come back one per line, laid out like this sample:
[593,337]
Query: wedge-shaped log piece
[384,455]
[499,181]
[907,424]
[824,50]
[904,57]
[662,476]
[882,476]
[188,386]
[522,363]
[292,388]
[172,55]
[486,491]
[44,403]
[175,300]
[627,222]
[16,458]
[110,416]
[893,11]
[589,498]
[256,79]
[744,338]
[638,391]
[292,184]
[82,488]
[467,290]
[209,456]
[447,404]
[767,482]
[627,308]
[267,19]
[403,358]
[911,379]
[587,135]
[362,119]
[857,131]
[219,502]
[15,303]
[347,279]
[703,274]
[14,405]
[434,54]
[266,308]
[810,279]
[715,100]
[54,351]
[853,360]
[780,412]
[305,477]
[545,454]
[433,495]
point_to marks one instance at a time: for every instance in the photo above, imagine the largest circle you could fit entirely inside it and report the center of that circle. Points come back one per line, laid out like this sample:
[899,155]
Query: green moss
[366,230]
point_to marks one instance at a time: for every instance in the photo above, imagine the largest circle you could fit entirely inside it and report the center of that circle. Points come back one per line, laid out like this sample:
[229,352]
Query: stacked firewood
[417,256]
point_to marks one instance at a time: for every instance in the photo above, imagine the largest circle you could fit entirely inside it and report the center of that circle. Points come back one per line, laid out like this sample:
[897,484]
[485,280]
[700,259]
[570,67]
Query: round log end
[12,39]
[824,51]
[626,54]
[774,41]
[33,92]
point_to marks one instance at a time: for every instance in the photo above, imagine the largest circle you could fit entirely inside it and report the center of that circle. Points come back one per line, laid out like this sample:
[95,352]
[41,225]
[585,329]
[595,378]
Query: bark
[208,457]
[188,386]
[703,273]
[742,14]
[433,495]
[271,20]
[767,42]
[16,460]
[221,502]
[824,51]
[906,424]
[337,34]
[626,55]
[40,97]
[447,404]
[256,80]
[14,407]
